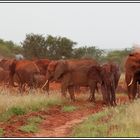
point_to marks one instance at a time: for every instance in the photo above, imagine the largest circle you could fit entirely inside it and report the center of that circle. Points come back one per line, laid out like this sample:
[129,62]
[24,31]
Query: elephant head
[132,67]
[132,73]
[56,69]
[95,73]
[42,65]
[110,77]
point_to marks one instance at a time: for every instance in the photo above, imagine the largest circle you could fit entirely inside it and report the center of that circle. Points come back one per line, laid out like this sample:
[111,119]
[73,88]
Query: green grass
[32,125]
[69,108]
[91,127]
[1,132]
[124,121]
[30,128]
[35,120]
[18,105]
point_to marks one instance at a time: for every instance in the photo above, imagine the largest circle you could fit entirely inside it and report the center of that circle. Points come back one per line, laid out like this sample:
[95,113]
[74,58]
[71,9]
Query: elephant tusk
[130,82]
[45,84]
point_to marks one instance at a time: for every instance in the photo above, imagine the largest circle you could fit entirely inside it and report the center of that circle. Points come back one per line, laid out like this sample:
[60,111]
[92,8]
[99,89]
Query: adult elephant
[42,65]
[41,79]
[132,73]
[5,63]
[4,76]
[110,77]
[73,73]
[25,71]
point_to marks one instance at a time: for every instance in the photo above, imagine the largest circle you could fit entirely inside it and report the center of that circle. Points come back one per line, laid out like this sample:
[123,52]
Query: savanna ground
[36,114]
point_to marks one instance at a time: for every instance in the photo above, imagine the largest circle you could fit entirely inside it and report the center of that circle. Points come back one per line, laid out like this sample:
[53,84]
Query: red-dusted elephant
[42,64]
[25,71]
[110,77]
[5,63]
[132,74]
[72,73]
[4,76]
[41,79]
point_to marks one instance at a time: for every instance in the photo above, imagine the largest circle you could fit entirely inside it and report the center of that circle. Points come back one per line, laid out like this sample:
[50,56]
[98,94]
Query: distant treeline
[39,46]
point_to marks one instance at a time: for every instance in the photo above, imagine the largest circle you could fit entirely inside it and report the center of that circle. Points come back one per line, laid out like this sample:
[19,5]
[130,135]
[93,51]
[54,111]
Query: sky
[105,25]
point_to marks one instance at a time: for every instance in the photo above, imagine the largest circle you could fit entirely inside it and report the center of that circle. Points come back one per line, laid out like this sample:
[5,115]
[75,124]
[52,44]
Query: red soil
[56,123]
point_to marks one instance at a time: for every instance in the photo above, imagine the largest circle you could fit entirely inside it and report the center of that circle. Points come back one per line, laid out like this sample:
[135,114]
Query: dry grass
[20,104]
[124,121]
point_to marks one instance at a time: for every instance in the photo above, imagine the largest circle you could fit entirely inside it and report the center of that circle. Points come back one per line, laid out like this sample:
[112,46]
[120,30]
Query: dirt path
[56,123]
[60,124]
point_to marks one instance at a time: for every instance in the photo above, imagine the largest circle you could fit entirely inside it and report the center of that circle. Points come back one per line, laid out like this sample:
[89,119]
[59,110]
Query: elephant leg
[129,92]
[113,96]
[92,93]
[21,88]
[71,92]
[103,94]
[63,90]
[133,91]
[138,89]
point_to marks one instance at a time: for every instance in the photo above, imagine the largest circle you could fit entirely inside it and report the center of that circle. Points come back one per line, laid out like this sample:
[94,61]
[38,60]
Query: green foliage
[38,46]
[57,47]
[12,111]
[60,47]
[17,111]
[117,56]
[9,49]
[68,108]
[34,120]
[32,125]
[92,126]
[1,132]
[19,105]
[88,52]
[121,121]
[30,128]
[34,46]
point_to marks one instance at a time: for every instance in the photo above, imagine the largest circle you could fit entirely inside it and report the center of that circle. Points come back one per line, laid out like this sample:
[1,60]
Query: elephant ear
[60,69]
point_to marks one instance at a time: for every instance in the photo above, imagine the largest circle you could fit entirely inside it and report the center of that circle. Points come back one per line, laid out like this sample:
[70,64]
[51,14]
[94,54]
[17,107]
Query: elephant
[25,71]
[72,73]
[42,64]
[39,80]
[132,74]
[5,63]
[110,77]
[4,76]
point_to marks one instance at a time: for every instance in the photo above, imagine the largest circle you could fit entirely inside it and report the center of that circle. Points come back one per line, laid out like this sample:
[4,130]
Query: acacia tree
[34,46]
[88,52]
[117,56]
[38,46]
[60,47]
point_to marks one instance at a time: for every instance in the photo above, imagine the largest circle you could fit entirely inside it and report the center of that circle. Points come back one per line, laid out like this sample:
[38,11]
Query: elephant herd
[73,74]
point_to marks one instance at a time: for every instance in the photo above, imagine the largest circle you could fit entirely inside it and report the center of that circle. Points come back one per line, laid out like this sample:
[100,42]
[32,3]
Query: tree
[88,52]
[118,56]
[34,46]
[60,47]
[37,46]
[9,48]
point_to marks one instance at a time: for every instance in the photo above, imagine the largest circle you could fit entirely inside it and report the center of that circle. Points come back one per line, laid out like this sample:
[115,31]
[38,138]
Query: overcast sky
[106,25]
